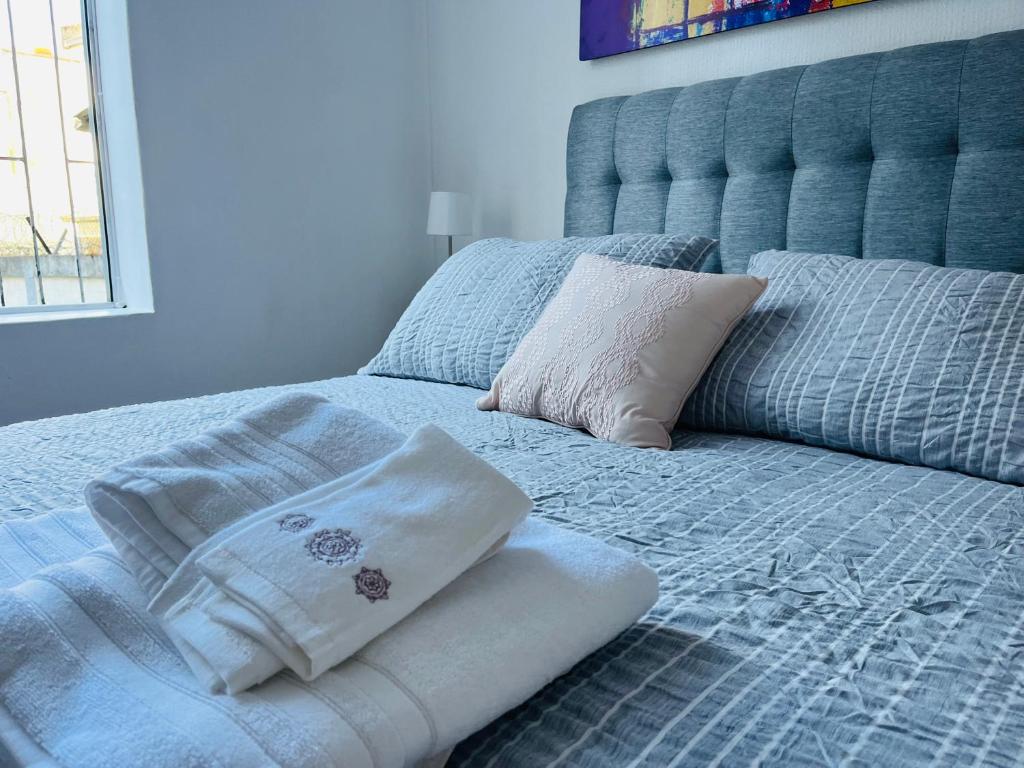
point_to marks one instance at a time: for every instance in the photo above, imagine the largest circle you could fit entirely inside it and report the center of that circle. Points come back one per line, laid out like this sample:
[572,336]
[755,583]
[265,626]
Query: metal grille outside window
[53,245]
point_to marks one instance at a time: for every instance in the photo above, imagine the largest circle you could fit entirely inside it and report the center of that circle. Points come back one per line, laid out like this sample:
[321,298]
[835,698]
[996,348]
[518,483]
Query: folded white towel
[85,671]
[155,509]
[314,578]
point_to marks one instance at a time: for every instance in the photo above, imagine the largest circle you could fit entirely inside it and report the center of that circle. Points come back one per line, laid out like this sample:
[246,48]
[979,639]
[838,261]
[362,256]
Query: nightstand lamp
[450,214]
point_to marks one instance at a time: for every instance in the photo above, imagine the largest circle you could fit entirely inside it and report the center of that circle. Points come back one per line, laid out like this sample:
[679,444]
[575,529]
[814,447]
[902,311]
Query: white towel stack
[309,581]
[311,537]
[305,582]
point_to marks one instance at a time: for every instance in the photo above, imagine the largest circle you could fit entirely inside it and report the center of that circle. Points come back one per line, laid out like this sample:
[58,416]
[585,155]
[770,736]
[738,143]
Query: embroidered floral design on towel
[371,584]
[333,546]
[295,522]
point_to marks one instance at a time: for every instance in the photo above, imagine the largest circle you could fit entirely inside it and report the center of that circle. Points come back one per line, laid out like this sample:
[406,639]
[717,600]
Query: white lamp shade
[450,214]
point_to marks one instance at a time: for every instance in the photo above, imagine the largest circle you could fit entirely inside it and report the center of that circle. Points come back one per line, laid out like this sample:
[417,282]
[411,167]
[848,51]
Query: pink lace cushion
[620,347]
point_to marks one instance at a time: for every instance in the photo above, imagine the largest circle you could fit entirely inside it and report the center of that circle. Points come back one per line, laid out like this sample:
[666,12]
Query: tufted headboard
[916,154]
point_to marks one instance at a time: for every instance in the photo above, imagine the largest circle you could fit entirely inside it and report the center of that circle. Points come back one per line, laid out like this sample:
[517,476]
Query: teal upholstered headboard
[916,154]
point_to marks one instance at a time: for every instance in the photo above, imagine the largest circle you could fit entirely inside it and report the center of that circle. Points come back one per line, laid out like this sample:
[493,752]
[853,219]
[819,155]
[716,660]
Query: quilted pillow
[464,323]
[895,359]
[620,347]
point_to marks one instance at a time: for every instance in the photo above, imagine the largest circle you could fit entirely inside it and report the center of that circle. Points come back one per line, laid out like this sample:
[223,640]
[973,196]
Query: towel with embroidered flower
[314,578]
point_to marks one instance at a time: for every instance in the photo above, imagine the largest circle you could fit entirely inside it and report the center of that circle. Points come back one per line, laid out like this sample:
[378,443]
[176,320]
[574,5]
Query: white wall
[284,151]
[504,77]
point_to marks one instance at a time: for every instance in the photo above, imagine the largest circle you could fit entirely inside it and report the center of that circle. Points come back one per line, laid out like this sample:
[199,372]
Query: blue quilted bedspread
[816,607]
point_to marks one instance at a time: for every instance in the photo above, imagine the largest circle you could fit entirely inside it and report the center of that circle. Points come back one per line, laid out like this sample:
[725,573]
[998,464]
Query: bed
[817,607]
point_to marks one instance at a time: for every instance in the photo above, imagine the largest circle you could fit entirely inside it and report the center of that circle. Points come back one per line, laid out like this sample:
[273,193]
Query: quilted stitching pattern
[468,319]
[894,359]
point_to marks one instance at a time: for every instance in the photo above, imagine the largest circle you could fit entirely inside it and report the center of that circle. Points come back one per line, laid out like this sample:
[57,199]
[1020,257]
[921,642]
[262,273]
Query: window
[53,232]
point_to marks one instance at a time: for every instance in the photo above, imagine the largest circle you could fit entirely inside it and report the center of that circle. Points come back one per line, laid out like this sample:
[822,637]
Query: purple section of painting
[605,28]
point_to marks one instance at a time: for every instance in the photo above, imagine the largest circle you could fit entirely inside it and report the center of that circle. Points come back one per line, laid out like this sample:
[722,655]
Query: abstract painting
[608,27]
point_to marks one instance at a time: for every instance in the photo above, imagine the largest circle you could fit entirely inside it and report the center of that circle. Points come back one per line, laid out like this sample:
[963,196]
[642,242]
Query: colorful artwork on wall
[608,27]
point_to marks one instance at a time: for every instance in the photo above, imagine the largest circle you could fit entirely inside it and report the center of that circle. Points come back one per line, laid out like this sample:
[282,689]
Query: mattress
[816,607]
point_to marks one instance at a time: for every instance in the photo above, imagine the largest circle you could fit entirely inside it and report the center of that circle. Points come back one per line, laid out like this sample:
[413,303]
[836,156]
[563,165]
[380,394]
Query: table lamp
[450,214]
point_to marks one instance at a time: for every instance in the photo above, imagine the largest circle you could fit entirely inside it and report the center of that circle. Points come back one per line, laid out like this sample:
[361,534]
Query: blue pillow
[894,359]
[466,321]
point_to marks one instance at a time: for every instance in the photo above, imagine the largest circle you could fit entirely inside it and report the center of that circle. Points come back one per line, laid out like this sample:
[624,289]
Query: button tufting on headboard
[916,153]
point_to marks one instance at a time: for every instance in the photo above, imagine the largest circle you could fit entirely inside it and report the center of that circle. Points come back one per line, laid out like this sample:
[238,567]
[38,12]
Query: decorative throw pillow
[895,359]
[464,323]
[620,347]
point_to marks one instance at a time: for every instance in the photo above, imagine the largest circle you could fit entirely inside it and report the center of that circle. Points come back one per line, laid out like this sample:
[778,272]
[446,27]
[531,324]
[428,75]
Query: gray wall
[504,77]
[285,164]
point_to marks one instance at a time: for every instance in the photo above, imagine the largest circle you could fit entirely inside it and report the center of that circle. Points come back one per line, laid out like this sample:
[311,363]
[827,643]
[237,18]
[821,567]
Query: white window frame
[105,24]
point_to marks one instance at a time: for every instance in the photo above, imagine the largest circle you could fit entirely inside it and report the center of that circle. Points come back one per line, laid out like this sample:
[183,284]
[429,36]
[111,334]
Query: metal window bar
[24,146]
[64,144]
[99,145]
